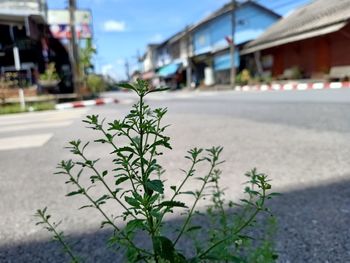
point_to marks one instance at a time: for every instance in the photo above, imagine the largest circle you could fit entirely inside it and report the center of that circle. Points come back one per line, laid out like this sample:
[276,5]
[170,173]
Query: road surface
[300,138]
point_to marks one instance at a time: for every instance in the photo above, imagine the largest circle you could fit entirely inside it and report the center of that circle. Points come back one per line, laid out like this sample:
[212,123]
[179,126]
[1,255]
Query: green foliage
[16,108]
[243,77]
[264,252]
[86,54]
[95,83]
[50,73]
[44,219]
[139,191]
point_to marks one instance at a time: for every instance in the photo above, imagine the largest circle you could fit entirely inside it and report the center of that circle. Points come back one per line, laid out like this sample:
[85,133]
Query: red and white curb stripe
[85,103]
[295,86]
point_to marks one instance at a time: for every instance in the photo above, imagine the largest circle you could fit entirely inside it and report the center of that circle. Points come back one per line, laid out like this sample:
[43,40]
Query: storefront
[27,47]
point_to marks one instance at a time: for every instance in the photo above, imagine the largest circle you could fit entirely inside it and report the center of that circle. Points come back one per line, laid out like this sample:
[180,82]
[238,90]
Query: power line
[288,3]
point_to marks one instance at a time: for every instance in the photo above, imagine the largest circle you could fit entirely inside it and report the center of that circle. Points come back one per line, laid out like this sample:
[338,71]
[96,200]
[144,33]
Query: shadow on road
[314,226]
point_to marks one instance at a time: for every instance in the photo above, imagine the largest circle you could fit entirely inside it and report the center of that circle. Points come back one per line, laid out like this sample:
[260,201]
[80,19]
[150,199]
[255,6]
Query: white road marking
[288,87]
[34,126]
[318,85]
[22,118]
[336,85]
[302,86]
[71,112]
[22,142]
[264,87]
[276,86]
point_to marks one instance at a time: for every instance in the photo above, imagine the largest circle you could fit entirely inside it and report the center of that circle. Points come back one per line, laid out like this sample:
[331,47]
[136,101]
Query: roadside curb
[294,86]
[85,103]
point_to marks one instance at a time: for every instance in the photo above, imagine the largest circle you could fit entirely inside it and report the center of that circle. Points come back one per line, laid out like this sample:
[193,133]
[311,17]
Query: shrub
[16,108]
[95,83]
[244,77]
[139,190]
[50,73]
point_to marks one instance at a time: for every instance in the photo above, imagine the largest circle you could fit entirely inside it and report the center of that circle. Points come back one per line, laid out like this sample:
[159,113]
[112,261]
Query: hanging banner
[63,31]
[60,23]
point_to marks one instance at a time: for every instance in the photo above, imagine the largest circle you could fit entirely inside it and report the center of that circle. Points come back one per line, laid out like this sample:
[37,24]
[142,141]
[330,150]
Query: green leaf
[86,206]
[193,228]
[131,254]
[121,179]
[172,204]
[153,198]
[164,248]
[163,142]
[124,149]
[155,213]
[188,193]
[102,198]
[173,187]
[156,185]
[158,90]
[134,224]
[127,86]
[80,191]
[109,137]
[132,201]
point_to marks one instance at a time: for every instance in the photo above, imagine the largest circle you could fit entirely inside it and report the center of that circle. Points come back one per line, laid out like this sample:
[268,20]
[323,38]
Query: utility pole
[139,61]
[189,68]
[232,47]
[74,46]
[127,69]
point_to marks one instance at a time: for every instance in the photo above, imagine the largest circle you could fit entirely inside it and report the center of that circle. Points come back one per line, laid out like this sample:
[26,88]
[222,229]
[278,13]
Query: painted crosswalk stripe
[34,126]
[23,118]
[26,141]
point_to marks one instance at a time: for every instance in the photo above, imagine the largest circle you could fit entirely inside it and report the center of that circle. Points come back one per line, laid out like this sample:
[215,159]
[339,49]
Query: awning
[294,38]
[169,70]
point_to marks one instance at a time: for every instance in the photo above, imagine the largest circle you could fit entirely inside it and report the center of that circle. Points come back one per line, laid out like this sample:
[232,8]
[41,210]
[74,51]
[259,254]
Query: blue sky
[122,27]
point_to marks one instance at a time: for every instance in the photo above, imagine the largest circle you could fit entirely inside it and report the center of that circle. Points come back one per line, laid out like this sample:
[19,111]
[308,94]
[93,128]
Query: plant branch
[104,214]
[206,179]
[239,229]
[58,236]
[114,195]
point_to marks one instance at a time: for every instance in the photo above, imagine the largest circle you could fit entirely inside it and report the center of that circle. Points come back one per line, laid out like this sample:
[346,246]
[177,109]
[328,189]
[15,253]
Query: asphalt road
[300,138]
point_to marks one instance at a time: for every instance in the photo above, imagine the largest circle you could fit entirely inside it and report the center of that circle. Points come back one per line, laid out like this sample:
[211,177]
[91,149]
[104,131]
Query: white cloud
[156,38]
[114,26]
[115,69]
[120,62]
[106,68]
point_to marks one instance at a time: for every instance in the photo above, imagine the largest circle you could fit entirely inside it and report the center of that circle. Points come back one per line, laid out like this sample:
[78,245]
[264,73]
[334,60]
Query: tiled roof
[314,16]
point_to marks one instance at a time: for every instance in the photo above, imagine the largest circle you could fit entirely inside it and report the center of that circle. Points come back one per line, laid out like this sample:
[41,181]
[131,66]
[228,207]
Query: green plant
[95,83]
[50,73]
[296,73]
[36,106]
[86,54]
[243,77]
[139,191]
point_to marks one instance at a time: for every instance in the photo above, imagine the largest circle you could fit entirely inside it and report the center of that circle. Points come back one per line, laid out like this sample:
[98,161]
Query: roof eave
[293,38]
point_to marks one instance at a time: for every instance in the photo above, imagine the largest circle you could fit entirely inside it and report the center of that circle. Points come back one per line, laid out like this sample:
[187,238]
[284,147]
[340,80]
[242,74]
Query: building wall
[172,52]
[149,62]
[22,7]
[184,49]
[313,57]
[162,56]
[339,47]
[251,22]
